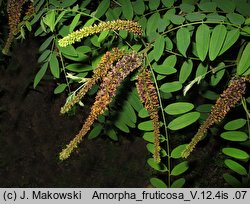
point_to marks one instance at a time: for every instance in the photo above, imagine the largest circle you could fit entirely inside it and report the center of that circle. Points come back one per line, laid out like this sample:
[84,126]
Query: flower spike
[148,96]
[14,14]
[110,84]
[98,74]
[76,36]
[227,100]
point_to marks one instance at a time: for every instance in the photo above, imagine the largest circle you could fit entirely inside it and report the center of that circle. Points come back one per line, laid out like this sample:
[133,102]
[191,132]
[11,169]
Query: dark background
[32,133]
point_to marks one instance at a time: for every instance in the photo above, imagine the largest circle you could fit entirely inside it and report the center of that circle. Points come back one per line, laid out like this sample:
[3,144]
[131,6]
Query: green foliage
[185,45]
[183,121]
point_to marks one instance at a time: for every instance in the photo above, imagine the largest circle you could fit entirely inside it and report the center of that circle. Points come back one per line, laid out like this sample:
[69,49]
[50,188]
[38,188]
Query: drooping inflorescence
[30,11]
[116,74]
[149,97]
[14,14]
[227,100]
[100,71]
[76,36]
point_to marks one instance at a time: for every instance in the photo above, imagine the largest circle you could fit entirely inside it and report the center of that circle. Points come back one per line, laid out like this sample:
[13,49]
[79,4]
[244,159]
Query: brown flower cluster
[98,74]
[76,36]
[148,96]
[114,77]
[227,100]
[247,78]
[14,14]
[30,11]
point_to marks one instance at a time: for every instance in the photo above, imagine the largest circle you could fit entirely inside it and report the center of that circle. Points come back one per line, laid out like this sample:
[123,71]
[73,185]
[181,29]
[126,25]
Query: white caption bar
[123,195]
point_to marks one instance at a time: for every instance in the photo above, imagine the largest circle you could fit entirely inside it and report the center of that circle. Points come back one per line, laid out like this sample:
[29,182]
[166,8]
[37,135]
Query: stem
[164,121]
[80,12]
[200,22]
[243,101]
[64,72]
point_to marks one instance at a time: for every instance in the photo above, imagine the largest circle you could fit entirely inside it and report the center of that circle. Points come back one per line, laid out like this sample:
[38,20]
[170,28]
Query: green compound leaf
[157,166]
[232,180]
[178,108]
[127,9]
[231,37]
[146,126]
[127,115]
[201,70]
[122,126]
[210,95]
[54,65]
[40,74]
[244,62]
[186,70]
[179,168]
[236,136]
[113,14]
[158,183]
[235,124]
[226,6]
[152,23]
[159,47]
[94,41]
[46,43]
[192,17]
[202,41]
[83,49]
[103,35]
[236,18]
[179,183]
[28,25]
[169,44]
[187,8]
[235,153]
[149,136]
[184,121]
[112,134]
[208,6]
[235,166]
[176,19]
[217,76]
[139,7]
[216,41]
[204,108]
[143,113]
[65,4]
[102,8]
[69,51]
[60,17]
[60,88]
[246,30]
[214,17]
[134,100]
[247,21]
[177,151]
[153,5]
[74,23]
[171,87]
[130,112]
[95,132]
[49,19]
[44,56]
[183,40]
[167,67]
[167,3]
[77,67]
[162,25]
[79,58]
[151,149]
[55,3]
